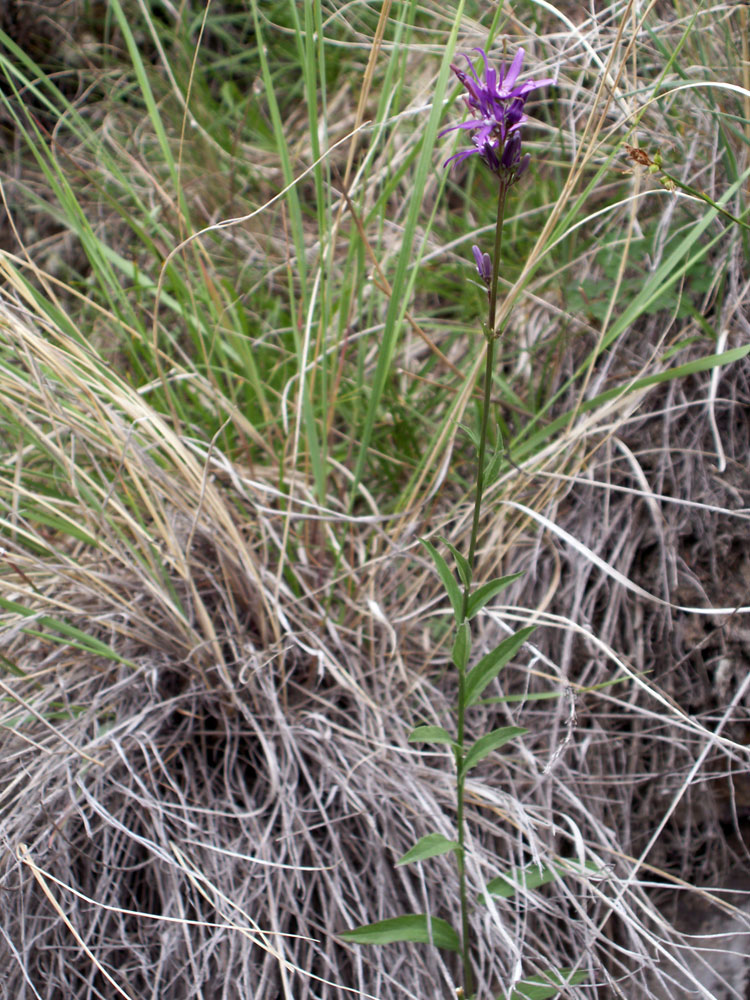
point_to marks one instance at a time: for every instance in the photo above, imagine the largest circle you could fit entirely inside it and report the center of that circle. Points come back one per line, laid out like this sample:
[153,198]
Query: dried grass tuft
[204,764]
[201,813]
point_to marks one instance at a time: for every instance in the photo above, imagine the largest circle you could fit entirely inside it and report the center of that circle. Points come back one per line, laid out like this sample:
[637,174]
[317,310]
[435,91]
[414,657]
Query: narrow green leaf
[547,984]
[141,75]
[70,635]
[462,646]
[531,877]
[534,441]
[493,468]
[499,455]
[446,575]
[407,262]
[471,435]
[489,742]
[487,591]
[429,846]
[462,563]
[430,734]
[411,927]
[490,665]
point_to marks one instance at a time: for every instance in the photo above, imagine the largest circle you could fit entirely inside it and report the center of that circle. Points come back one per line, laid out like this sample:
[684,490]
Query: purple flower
[484,265]
[497,108]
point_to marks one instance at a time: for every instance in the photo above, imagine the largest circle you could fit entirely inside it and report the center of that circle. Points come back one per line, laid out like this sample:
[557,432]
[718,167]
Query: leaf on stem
[446,575]
[462,646]
[462,563]
[431,734]
[547,984]
[498,457]
[532,877]
[410,927]
[489,742]
[471,435]
[493,468]
[430,846]
[487,591]
[490,665]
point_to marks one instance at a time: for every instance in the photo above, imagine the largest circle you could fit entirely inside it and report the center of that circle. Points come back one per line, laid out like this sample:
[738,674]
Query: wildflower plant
[494,131]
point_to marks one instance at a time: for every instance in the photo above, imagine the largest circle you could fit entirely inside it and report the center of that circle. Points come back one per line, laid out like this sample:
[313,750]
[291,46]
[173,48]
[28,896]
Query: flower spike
[497,108]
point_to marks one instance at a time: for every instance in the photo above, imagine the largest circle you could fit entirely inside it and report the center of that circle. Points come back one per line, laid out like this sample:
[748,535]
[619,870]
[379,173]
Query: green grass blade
[398,299]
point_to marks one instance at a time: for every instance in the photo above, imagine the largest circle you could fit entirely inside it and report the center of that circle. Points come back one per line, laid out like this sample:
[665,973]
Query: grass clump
[237,344]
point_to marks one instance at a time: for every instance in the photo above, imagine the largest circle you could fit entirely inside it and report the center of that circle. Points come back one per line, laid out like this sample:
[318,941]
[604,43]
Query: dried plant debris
[207,682]
[200,815]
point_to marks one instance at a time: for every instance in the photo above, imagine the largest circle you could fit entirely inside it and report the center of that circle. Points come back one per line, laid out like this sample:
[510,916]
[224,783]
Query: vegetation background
[239,341]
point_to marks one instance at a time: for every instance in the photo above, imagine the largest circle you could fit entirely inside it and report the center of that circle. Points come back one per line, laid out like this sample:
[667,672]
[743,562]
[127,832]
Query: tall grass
[237,350]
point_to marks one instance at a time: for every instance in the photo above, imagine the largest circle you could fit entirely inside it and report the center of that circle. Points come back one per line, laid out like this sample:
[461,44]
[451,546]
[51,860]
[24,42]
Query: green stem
[478,493]
[674,182]
[488,368]
[496,255]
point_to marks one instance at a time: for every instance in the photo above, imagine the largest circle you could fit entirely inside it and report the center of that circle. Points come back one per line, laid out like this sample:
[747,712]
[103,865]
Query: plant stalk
[468,975]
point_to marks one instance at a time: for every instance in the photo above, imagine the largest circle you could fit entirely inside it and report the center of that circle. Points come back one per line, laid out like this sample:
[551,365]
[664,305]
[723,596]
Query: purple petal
[483,54]
[460,157]
[465,125]
[488,152]
[484,134]
[471,66]
[472,123]
[530,85]
[512,74]
[495,105]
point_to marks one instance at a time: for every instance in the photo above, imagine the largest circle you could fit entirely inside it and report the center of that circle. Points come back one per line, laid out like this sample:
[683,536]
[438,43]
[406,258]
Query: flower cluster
[497,108]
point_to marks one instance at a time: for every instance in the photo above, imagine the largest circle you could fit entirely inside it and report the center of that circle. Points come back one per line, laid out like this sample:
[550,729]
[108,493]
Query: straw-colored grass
[218,451]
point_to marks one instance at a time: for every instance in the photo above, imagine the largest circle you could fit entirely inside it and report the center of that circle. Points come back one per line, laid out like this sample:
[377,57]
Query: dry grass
[203,813]
[204,766]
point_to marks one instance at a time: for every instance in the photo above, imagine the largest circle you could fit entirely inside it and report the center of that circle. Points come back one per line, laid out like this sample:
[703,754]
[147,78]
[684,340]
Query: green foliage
[545,985]
[487,591]
[488,743]
[430,846]
[446,575]
[270,335]
[62,633]
[418,927]
[492,663]
[497,459]
[462,646]
[591,297]
[531,877]
[430,734]
[462,564]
